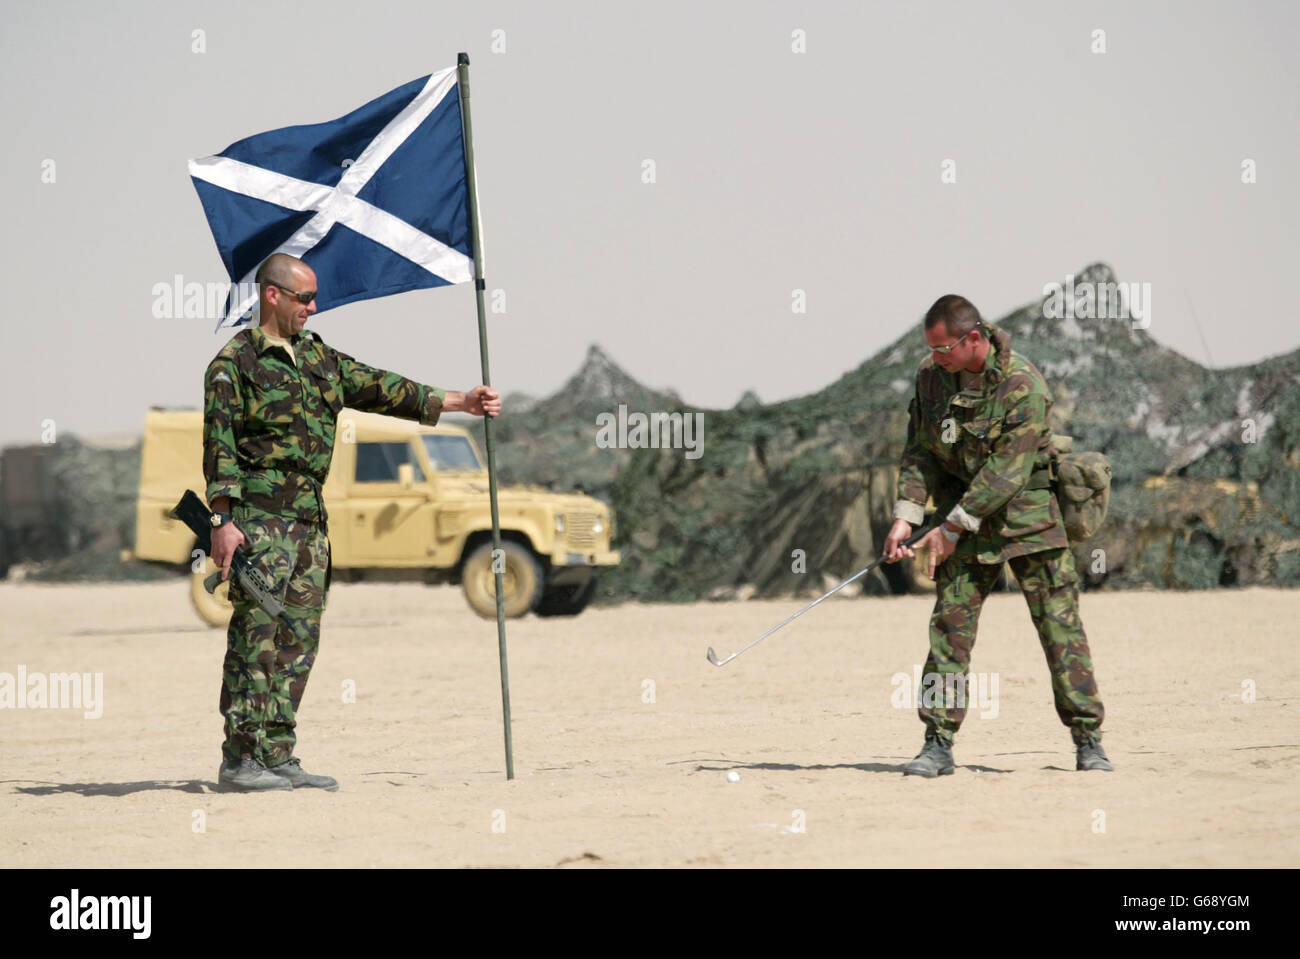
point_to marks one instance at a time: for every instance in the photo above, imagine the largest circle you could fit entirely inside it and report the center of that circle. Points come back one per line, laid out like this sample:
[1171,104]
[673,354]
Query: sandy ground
[624,735]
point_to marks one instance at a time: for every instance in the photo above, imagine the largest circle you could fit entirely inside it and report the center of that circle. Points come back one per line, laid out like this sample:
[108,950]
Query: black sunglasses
[305,297]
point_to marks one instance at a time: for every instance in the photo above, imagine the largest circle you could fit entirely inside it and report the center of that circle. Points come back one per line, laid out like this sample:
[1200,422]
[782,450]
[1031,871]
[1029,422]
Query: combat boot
[1090,755]
[934,759]
[249,775]
[293,773]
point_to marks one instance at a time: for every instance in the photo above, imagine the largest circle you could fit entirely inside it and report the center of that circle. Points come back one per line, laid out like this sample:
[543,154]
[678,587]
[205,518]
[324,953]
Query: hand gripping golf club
[713,657]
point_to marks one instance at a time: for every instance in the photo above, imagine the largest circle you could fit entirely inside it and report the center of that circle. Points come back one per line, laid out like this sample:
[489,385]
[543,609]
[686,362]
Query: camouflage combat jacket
[982,454]
[268,422]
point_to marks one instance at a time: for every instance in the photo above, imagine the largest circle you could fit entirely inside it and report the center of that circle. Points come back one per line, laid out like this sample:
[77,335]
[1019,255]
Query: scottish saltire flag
[375,202]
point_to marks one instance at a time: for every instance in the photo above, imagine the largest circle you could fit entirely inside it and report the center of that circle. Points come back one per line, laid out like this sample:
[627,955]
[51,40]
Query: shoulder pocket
[272,398]
[985,428]
[326,377]
[978,436]
[271,379]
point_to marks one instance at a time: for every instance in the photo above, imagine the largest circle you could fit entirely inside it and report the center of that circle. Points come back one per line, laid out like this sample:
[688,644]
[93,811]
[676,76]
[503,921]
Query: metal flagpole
[498,561]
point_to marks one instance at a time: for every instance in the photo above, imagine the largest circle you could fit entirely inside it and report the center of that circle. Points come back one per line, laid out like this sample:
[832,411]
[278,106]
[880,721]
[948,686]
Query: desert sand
[624,735]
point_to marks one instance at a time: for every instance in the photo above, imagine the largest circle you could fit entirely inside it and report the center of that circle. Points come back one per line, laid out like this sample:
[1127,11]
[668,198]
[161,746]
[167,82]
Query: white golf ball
[733,777]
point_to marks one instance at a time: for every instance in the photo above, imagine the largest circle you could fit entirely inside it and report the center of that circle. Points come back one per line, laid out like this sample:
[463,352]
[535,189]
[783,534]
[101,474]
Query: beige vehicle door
[389,510]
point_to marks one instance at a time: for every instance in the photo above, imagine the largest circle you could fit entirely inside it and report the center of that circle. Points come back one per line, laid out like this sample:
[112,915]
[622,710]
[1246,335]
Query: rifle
[191,511]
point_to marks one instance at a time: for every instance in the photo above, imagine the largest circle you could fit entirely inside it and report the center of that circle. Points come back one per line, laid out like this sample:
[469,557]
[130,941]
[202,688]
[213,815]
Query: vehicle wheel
[567,600]
[522,580]
[214,608]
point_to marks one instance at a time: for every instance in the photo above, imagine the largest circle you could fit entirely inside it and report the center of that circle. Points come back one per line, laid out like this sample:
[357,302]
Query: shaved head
[278,268]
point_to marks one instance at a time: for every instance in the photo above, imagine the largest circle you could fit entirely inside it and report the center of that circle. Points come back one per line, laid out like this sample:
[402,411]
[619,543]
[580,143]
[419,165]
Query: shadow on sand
[113,789]
[862,767]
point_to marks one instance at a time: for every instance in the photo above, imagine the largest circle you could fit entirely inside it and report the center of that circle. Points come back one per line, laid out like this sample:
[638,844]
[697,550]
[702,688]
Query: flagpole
[462,86]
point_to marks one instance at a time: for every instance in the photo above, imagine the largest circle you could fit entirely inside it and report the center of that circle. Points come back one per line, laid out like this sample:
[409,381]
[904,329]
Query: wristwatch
[948,534]
[220,519]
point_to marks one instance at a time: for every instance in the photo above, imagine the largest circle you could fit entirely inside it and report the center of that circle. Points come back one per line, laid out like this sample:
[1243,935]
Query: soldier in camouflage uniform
[272,397]
[977,443]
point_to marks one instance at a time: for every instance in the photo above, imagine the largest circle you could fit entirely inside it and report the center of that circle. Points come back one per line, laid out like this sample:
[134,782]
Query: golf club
[712,656]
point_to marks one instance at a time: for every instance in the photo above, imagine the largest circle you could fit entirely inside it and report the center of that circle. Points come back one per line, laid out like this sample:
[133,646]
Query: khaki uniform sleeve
[378,391]
[223,421]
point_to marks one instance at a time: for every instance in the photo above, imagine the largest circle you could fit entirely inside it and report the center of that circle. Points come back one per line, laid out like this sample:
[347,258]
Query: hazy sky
[775,171]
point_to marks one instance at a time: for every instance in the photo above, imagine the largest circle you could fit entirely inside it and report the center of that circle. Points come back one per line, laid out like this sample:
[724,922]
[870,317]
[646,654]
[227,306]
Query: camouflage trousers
[266,666]
[1051,587]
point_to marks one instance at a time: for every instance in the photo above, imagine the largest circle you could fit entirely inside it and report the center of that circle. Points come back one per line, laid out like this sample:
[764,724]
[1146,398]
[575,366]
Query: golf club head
[713,657]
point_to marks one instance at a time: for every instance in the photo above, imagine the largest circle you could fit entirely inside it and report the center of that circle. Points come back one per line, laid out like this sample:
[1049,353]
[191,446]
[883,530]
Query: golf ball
[733,777]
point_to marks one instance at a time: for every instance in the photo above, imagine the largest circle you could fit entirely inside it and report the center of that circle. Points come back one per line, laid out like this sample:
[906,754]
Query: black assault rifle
[191,511]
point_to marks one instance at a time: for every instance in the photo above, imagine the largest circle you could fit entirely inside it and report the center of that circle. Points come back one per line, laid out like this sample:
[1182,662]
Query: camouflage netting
[1206,487]
[90,504]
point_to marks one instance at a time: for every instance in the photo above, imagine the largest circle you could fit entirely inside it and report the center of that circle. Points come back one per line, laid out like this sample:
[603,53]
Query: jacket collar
[304,345]
[1001,341]
[262,343]
[997,364]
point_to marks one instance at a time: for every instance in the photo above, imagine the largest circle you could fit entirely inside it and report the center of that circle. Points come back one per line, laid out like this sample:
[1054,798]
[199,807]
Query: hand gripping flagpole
[462,85]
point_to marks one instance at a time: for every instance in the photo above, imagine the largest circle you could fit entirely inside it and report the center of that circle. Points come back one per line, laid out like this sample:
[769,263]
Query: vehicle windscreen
[451,453]
[379,462]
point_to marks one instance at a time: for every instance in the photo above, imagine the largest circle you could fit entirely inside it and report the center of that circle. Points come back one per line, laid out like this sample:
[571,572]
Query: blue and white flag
[376,202]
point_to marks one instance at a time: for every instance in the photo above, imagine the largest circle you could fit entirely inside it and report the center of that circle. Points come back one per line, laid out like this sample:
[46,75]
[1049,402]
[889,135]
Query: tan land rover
[404,501]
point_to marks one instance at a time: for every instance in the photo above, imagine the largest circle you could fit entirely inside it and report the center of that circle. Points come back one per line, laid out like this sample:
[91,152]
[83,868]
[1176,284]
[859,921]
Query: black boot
[1090,755]
[293,773]
[934,759]
[249,775]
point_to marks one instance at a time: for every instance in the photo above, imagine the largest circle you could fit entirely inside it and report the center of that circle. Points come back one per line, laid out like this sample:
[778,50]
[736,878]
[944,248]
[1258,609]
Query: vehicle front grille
[578,529]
